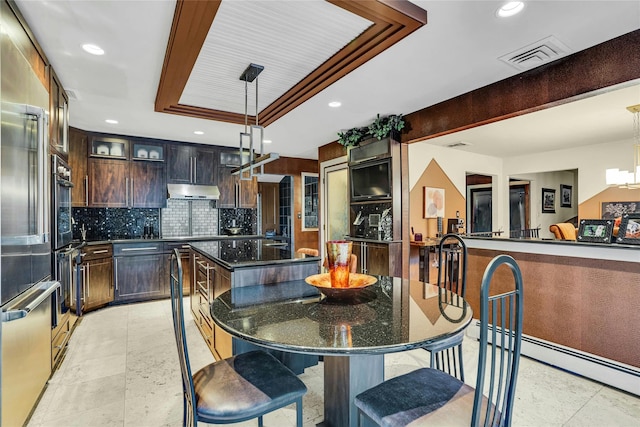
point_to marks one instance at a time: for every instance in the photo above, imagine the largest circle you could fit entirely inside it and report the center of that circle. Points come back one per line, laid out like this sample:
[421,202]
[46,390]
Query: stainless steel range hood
[193,192]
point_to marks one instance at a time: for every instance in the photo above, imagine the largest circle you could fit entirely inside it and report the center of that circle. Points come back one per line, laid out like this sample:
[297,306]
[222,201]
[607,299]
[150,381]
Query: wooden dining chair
[431,397]
[446,354]
[242,387]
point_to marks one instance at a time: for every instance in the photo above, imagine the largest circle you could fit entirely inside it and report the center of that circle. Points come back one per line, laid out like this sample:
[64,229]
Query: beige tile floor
[121,369]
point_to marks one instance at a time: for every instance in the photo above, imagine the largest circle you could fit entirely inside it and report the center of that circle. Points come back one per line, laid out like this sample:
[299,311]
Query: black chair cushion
[419,395]
[244,386]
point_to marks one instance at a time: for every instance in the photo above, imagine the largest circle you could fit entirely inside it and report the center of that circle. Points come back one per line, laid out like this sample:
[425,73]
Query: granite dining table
[351,334]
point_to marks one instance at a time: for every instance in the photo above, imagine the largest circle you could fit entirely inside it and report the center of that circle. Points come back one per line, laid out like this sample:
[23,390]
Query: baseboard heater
[606,371]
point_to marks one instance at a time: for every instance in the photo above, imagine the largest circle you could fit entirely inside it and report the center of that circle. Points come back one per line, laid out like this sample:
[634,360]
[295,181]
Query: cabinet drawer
[60,341]
[206,327]
[141,248]
[97,251]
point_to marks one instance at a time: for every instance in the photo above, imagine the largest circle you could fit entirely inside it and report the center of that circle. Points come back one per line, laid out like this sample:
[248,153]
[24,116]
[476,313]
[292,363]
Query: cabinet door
[148,185]
[377,259]
[222,339]
[78,162]
[227,184]
[179,164]
[270,200]
[186,273]
[356,249]
[139,277]
[206,166]
[98,283]
[108,182]
[248,193]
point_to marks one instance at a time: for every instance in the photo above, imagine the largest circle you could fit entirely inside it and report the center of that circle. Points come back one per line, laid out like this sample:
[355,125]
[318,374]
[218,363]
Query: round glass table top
[393,314]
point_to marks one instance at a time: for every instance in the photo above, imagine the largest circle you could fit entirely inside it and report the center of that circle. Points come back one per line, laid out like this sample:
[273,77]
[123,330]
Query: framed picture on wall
[565,196]
[595,230]
[629,231]
[548,200]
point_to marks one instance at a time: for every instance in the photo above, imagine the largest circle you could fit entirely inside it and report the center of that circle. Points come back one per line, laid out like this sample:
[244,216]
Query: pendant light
[626,179]
[254,133]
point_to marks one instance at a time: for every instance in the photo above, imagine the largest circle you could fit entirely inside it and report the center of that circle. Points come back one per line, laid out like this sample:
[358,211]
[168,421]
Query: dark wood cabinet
[114,181]
[78,156]
[58,117]
[139,271]
[108,183]
[187,164]
[148,185]
[183,248]
[98,286]
[236,192]
[223,342]
[270,200]
[97,276]
[381,259]
[209,280]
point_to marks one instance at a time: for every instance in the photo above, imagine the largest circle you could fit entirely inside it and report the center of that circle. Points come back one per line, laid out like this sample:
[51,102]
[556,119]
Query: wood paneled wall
[583,303]
[294,167]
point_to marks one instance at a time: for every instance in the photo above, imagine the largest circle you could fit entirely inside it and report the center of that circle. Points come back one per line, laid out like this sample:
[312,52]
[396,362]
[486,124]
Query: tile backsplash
[189,218]
[115,223]
[368,212]
[243,217]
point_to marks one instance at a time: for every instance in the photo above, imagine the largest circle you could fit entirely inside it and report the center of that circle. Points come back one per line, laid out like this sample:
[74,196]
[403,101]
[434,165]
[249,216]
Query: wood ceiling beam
[392,21]
[565,80]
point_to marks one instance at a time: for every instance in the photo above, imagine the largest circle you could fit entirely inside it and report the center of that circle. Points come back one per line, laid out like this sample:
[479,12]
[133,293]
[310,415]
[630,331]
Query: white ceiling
[457,51]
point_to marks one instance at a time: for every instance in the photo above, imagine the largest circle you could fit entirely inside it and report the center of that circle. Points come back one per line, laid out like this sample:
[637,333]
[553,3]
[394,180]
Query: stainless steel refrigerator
[26,292]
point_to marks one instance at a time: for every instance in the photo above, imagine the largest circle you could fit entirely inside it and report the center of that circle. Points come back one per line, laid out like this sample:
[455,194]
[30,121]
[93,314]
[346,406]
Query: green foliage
[380,128]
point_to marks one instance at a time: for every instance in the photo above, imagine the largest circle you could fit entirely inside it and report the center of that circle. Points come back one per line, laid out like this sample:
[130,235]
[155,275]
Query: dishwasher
[26,350]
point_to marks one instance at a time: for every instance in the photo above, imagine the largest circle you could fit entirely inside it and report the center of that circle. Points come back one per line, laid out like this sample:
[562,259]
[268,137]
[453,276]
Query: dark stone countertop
[244,253]
[393,314]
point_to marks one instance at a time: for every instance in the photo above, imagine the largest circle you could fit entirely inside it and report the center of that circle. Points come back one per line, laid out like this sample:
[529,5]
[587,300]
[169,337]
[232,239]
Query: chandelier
[626,179]
[252,134]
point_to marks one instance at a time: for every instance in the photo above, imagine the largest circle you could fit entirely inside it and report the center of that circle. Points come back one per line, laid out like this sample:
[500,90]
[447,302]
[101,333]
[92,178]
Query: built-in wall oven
[61,203]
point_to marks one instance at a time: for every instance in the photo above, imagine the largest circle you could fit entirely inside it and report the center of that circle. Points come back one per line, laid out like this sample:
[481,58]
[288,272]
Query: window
[309,201]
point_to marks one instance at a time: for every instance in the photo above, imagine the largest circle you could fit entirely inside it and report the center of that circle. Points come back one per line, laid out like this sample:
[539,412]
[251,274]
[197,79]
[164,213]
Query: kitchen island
[217,266]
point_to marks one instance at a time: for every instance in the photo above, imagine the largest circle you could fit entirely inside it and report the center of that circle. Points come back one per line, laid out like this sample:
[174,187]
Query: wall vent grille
[536,54]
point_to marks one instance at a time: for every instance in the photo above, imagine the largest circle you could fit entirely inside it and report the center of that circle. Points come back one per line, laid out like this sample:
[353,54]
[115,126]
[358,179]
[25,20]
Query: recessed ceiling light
[93,49]
[266,141]
[335,104]
[111,121]
[198,132]
[509,9]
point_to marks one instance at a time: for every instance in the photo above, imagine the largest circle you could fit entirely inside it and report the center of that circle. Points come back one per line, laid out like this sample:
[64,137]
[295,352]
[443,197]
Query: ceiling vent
[72,94]
[457,144]
[536,54]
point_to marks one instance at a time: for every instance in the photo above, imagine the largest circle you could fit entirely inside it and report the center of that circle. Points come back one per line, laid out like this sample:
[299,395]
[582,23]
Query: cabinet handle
[88,285]
[102,251]
[84,281]
[115,267]
[149,248]
[131,193]
[195,171]
[86,190]
[191,170]
[126,191]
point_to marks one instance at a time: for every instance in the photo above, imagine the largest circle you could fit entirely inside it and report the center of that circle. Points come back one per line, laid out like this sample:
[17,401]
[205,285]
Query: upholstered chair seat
[404,400]
[243,387]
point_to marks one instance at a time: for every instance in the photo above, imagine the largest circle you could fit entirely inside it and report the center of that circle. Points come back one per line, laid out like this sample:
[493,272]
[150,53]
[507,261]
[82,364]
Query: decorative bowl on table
[357,284]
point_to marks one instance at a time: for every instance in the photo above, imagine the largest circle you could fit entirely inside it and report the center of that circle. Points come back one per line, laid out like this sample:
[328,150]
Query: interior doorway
[519,206]
[335,201]
[479,203]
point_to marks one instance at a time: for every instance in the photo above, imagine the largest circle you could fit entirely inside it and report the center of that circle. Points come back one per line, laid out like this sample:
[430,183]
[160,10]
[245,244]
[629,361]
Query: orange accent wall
[434,176]
[592,208]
